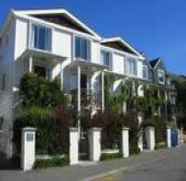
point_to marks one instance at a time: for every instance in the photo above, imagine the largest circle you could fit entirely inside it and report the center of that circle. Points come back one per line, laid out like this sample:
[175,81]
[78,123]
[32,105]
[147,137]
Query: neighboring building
[55,44]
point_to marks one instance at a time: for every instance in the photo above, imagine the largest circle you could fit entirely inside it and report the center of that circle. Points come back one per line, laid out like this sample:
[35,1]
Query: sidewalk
[87,170]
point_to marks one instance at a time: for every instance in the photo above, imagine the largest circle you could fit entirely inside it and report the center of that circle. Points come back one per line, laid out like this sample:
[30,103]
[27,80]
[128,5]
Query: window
[131,67]
[41,37]
[161,76]
[82,48]
[3,82]
[145,71]
[106,58]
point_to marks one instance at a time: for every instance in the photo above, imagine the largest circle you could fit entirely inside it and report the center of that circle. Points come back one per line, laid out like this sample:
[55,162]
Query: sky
[155,27]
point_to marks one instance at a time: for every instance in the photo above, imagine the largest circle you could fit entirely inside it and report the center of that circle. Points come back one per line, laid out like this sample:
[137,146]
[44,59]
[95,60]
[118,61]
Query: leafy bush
[52,128]
[37,91]
[160,127]
[110,156]
[160,145]
[53,162]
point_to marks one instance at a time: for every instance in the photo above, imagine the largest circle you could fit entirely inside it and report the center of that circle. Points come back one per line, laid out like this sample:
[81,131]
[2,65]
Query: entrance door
[40,71]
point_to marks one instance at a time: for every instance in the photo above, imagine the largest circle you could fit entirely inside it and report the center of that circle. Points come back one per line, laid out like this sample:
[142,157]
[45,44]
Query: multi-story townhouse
[55,44]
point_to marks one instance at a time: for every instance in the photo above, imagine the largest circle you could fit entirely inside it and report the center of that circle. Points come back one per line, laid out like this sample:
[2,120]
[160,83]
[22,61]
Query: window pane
[82,48]
[41,37]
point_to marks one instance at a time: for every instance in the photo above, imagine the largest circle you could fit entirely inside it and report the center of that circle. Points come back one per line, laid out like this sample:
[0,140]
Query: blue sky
[156,27]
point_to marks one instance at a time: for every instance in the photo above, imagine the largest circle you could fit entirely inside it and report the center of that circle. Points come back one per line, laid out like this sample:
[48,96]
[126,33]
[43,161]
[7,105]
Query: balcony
[89,99]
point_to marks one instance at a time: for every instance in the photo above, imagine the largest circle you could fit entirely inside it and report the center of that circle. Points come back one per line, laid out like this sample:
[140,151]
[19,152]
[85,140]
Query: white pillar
[79,95]
[140,141]
[30,64]
[95,144]
[168,137]
[28,148]
[125,142]
[61,76]
[150,137]
[182,136]
[74,146]
[103,91]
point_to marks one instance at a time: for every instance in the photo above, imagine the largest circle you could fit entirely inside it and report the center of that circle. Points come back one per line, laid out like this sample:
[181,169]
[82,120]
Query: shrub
[110,156]
[160,128]
[52,127]
[37,91]
[53,162]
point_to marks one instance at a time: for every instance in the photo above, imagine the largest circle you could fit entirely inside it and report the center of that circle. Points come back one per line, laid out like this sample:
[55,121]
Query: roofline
[105,40]
[58,11]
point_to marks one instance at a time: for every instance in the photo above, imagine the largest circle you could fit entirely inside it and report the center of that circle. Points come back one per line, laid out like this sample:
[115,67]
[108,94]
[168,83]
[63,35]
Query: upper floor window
[106,58]
[131,66]
[82,48]
[161,76]
[145,71]
[41,37]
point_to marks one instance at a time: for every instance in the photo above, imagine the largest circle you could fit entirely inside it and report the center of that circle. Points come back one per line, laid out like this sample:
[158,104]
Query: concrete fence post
[95,144]
[140,141]
[182,136]
[74,146]
[28,139]
[125,142]
[150,137]
[169,144]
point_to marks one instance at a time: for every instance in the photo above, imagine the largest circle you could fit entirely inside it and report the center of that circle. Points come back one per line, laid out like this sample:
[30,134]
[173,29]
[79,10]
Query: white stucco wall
[95,52]
[118,63]
[61,43]
[140,69]
[21,37]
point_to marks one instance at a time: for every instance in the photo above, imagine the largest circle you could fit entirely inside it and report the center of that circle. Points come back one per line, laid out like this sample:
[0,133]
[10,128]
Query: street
[172,167]
[161,165]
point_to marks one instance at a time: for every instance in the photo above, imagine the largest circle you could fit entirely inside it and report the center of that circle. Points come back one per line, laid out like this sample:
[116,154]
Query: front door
[40,71]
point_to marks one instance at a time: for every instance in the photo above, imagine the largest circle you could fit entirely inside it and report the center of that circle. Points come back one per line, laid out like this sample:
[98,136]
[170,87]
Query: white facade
[19,54]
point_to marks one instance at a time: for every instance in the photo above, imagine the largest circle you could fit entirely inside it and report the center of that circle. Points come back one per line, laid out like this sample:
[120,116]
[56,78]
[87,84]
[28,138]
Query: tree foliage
[37,91]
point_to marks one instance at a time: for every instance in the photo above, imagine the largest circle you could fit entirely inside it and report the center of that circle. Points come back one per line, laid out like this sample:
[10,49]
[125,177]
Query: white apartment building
[55,44]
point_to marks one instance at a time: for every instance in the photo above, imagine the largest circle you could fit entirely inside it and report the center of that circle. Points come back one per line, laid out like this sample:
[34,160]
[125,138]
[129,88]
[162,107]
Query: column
[95,144]
[79,94]
[74,146]
[168,133]
[61,75]
[150,137]
[28,148]
[30,68]
[103,91]
[140,141]
[125,142]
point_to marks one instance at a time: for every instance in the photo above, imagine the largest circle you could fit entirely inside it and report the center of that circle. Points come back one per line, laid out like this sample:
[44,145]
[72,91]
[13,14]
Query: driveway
[160,165]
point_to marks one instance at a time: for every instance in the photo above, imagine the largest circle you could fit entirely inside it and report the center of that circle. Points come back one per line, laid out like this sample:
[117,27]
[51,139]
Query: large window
[106,58]
[41,37]
[131,67]
[145,72]
[82,48]
[161,76]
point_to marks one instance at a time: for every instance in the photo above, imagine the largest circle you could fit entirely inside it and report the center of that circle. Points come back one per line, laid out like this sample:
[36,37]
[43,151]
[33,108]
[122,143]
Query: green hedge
[51,134]
[53,162]
[110,156]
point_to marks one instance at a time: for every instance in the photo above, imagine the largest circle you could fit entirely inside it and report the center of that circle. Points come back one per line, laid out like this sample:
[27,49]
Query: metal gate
[174,137]
[84,145]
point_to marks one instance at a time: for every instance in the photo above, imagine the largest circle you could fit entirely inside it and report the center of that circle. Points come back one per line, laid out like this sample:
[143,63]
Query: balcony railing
[89,99]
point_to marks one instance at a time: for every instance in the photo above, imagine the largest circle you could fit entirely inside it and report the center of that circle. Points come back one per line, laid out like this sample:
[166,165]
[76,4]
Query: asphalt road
[161,165]
[172,167]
